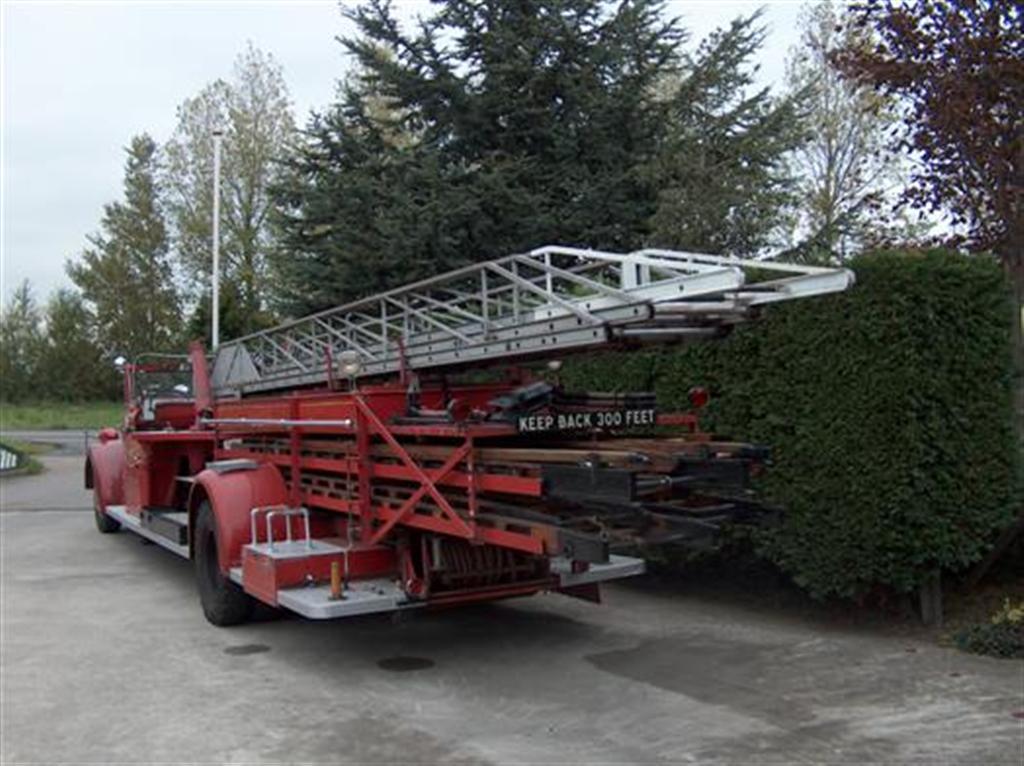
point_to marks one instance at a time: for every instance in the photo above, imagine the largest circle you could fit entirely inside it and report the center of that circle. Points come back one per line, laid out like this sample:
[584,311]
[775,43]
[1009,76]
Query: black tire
[224,603]
[104,523]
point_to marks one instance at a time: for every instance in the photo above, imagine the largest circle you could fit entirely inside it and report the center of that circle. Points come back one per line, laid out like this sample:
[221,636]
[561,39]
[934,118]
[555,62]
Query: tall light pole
[218,134]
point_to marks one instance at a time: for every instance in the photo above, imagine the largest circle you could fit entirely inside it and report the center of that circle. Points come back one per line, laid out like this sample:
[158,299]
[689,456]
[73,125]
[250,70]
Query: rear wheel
[104,523]
[224,603]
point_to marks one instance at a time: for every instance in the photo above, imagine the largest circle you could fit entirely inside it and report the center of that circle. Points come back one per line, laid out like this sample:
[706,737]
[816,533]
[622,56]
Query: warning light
[699,397]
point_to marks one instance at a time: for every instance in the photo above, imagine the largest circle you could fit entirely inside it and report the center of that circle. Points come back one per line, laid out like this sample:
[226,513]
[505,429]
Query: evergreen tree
[125,275]
[21,342]
[361,214]
[721,174]
[519,123]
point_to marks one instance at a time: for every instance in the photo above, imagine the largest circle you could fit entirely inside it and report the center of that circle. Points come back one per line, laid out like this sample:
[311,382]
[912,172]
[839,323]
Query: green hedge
[888,409]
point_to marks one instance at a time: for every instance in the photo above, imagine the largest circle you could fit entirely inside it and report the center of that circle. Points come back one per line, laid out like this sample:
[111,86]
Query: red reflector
[699,397]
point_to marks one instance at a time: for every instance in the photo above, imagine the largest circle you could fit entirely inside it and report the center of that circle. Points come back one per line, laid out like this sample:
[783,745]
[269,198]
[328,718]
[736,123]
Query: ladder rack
[547,302]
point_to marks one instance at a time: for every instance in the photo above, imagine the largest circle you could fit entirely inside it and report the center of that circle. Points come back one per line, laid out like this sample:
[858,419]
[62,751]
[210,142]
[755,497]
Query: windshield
[160,379]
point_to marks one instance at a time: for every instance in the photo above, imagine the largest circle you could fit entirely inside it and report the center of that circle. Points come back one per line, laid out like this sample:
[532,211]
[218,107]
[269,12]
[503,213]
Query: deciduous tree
[959,69]
[253,110]
[847,170]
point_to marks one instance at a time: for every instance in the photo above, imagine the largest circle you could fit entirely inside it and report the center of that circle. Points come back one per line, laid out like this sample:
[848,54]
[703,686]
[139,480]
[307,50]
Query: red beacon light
[699,397]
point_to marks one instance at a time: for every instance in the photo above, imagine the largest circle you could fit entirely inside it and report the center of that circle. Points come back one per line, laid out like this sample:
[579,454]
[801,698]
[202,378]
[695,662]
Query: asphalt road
[105,658]
[63,442]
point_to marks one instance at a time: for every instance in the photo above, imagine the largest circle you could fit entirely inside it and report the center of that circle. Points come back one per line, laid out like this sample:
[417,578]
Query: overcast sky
[79,79]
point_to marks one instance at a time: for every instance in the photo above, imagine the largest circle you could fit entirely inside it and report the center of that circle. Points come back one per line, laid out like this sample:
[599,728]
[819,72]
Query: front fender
[104,472]
[232,496]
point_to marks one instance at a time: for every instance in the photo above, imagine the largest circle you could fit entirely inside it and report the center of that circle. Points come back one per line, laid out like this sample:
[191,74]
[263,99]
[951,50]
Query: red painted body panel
[387,401]
[157,461]
[105,470]
[174,414]
[264,576]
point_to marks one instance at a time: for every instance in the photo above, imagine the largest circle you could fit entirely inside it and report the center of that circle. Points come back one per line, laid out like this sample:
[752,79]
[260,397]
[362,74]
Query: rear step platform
[383,594]
[361,597]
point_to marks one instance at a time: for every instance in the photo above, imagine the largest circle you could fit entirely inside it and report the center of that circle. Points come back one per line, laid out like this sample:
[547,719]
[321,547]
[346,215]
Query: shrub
[887,408]
[1002,636]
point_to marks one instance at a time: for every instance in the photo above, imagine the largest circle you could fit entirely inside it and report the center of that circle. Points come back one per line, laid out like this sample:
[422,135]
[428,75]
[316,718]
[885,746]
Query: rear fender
[104,472]
[232,497]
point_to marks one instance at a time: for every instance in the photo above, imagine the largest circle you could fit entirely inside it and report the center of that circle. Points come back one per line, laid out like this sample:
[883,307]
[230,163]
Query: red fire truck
[414,449]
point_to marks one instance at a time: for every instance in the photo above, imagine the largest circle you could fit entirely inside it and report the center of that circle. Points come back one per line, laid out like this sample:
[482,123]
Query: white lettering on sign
[581,421]
[640,417]
[536,423]
[574,421]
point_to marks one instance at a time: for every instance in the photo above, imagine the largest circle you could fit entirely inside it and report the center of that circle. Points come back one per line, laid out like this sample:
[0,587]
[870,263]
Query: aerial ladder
[414,449]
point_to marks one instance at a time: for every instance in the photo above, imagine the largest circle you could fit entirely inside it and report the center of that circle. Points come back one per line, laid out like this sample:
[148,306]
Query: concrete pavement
[59,488]
[106,658]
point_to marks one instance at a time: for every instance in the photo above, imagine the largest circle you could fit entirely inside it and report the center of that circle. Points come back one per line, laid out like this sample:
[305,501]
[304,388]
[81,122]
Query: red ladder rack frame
[378,519]
[369,422]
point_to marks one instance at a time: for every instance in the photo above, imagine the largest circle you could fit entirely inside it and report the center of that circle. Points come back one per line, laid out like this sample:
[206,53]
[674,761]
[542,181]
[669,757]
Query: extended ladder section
[543,303]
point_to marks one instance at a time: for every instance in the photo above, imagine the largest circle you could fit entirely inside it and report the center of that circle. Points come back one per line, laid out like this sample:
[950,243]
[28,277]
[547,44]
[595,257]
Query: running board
[168,522]
[134,524]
